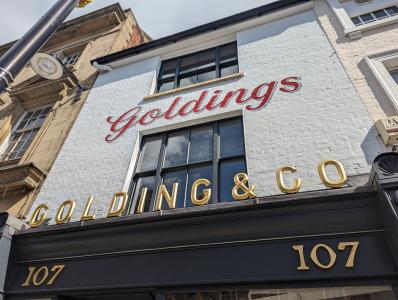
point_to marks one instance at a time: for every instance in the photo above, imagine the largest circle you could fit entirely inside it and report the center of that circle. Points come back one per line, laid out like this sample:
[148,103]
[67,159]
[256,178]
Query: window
[375,15]
[24,134]
[212,151]
[198,67]
[394,75]
[71,59]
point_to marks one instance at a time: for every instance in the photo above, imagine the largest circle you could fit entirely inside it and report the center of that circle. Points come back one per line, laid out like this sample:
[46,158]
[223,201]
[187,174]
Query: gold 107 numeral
[41,275]
[332,255]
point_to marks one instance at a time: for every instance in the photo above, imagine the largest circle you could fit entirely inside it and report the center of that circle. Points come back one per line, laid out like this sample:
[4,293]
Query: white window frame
[381,64]
[15,130]
[352,31]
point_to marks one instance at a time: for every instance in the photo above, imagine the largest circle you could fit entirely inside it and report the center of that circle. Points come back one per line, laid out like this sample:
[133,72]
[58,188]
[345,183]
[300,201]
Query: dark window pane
[228,53]
[169,68]
[168,180]
[228,169]
[207,58]
[188,81]
[380,14]
[207,75]
[394,75]
[198,61]
[393,10]
[231,138]
[149,154]
[356,21]
[189,64]
[177,149]
[166,86]
[195,174]
[366,18]
[201,147]
[144,182]
[225,71]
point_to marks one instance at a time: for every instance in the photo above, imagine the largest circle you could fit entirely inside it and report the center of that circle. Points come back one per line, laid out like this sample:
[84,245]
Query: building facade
[236,160]
[37,114]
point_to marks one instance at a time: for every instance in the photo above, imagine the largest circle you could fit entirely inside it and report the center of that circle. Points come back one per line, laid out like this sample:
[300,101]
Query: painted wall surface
[324,119]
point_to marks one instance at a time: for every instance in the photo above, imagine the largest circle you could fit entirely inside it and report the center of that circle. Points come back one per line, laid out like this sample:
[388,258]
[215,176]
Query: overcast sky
[157,17]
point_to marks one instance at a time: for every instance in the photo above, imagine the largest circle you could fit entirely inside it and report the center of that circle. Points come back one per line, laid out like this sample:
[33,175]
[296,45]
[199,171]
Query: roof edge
[224,22]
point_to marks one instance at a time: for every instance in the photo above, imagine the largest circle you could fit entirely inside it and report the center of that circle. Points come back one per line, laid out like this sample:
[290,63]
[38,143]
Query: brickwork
[325,119]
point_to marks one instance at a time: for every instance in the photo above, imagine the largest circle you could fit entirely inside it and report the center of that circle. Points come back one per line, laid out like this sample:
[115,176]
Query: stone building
[364,35]
[37,114]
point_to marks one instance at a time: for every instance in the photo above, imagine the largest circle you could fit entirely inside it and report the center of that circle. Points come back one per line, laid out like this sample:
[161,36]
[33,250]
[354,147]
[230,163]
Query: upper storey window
[375,15]
[71,59]
[198,67]
[24,134]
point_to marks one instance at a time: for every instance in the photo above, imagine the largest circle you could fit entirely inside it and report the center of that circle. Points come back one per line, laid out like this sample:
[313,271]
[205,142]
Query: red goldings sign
[207,101]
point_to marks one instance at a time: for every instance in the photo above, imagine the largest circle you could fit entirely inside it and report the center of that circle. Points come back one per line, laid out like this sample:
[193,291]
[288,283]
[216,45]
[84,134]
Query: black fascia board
[231,20]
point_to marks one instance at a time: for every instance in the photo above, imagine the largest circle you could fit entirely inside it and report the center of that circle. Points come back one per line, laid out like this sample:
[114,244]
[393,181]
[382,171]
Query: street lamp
[16,58]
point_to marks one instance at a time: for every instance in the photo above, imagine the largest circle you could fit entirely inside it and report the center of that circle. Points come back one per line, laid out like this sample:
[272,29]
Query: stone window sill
[356,32]
[193,86]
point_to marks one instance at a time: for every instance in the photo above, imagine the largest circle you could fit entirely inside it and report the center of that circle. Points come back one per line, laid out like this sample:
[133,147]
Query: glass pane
[394,75]
[169,68]
[150,152]
[144,182]
[208,75]
[332,293]
[201,147]
[228,169]
[195,174]
[380,14]
[203,59]
[366,18]
[188,64]
[207,58]
[168,180]
[229,70]
[166,86]
[356,21]
[228,52]
[188,81]
[393,10]
[177,149]
[231,138]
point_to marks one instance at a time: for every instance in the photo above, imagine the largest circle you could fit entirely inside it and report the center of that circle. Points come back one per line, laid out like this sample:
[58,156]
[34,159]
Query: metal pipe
[19,55]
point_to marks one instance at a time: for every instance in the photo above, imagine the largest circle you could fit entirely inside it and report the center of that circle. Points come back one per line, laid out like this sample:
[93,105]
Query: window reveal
[198,67]
[214,152]
[26,131]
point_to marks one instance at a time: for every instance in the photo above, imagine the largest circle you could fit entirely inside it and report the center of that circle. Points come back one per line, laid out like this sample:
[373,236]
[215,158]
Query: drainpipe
[19,55]
[8,226]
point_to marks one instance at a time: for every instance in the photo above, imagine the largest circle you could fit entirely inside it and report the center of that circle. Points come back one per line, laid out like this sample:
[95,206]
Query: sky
[157,17]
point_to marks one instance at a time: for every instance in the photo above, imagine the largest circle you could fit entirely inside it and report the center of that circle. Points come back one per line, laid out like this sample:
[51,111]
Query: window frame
[15,131]
[380,65]
[177,74]
[215,163]
[351,30]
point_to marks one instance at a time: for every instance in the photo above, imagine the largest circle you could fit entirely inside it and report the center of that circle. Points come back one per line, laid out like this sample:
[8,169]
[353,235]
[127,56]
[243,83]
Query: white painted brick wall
[325,119]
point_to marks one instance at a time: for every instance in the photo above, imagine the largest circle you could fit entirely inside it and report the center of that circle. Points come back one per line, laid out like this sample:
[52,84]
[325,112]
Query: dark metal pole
[19,55]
